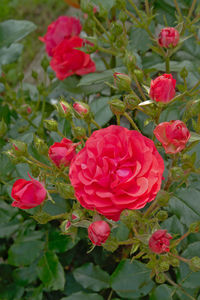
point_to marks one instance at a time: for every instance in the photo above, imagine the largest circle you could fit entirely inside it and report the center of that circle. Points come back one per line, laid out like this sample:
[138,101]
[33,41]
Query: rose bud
[64,109]
[122,81]
[65,226]
[163,88]
[98,232]
[81,109]
[28,193]
[159,241]
[173,136]
[168,37]
[62,153]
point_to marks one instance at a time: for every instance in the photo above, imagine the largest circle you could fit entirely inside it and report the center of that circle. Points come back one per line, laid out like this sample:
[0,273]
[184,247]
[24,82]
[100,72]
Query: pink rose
[62,153]
[168,36]
[63,28]
[98,232]
[117,169]
[173,135]
[28,193]
[68,60]
[159,241]
[163,88]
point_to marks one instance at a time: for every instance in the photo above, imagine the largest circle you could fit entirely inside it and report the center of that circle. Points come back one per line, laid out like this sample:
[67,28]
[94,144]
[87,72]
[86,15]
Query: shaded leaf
[92,277]
[83,296]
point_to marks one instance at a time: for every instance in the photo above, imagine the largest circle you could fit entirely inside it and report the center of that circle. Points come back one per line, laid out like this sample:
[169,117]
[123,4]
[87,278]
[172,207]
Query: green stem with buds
[126,115]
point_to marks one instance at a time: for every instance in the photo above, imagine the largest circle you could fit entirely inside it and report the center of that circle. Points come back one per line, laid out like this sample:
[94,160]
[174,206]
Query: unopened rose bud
[62,153]
[82,109]
[25,109]
[122,81]
[174,262]
[34,74]
[163,198]
[162,88]
[159,241]
[3,128]
[162,215]
[41,146]
[168,37]
[194,227]
[79,132]
[64,109]
[116,28]
[51,125]
[130,61]
[177,173]
[160,278]
[194,264]
[184,73]
[131,101]
[45,63]
[163,266]
[76,215]
[117,106]
[98,232]
[65,226]
[139,74]
[34,170]
[19,148]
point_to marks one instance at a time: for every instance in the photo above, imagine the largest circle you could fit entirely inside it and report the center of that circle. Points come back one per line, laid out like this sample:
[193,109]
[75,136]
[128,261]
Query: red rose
[159,241]
[168,36]
[63,152]
[63,28]
[28,193]
[68,60]
[173,135]
[81,108]
[98,232]
[117,169]
[163,88]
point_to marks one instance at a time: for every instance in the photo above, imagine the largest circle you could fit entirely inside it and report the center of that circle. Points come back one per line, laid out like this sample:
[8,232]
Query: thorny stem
[178,9]
[101,26]
[110,295]
[151,208]
[181,238]
[147,7]
[192,8]
[131,121]
[139,87]
[178,286]
[96,124]
[118,119]
[167,65]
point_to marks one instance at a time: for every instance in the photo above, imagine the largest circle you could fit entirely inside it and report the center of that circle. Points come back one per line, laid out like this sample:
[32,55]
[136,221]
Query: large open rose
[117,169]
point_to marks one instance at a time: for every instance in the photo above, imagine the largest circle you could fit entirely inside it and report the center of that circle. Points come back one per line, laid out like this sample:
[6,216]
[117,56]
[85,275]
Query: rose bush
[114,100]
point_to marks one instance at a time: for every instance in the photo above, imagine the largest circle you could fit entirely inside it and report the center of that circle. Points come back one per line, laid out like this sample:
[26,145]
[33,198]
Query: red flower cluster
[98,232]
[163,88]
[173,135]
[168,37]
[62,40]
[159,241]
[117,169]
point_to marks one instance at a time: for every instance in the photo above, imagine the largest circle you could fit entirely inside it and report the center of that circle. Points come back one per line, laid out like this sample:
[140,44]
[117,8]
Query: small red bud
[98,232]
[159,241]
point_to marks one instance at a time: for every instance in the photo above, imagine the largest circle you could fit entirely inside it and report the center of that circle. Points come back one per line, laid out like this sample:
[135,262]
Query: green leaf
[12,31]
[24,252]
[194,137]
[9,228]
[83,296]
[163,292]
[131,280]
[173,225]
[51,272]
[24,276]
[10,54]
[185,205]
[189,279]
[59,242]
[104,3]
[92,277]
[139,39]
[101,110]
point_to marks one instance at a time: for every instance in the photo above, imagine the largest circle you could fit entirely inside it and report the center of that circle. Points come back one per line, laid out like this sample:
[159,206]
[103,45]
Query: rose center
[125,172]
